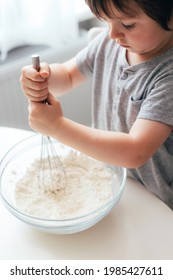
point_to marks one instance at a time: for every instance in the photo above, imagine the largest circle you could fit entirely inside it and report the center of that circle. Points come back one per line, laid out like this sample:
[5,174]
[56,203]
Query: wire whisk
[52,175]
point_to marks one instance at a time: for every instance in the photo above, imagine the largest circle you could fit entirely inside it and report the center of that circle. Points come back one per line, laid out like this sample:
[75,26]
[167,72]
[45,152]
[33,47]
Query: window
[49,22]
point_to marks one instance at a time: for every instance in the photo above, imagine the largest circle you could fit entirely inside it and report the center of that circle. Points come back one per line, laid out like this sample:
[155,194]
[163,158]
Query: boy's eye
[128,26]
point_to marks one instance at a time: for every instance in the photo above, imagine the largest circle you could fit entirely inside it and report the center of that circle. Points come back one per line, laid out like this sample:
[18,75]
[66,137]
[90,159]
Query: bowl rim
[109,204]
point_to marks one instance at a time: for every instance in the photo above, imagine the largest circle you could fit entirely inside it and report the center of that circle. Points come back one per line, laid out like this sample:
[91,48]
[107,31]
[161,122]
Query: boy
[131,63]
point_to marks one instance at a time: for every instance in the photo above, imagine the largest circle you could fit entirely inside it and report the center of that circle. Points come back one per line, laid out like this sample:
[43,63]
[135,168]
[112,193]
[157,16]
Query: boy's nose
[115,32]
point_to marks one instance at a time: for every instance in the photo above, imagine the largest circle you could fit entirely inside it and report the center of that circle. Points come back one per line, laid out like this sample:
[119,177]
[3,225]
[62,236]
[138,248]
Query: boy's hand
[45,118]
[34,84]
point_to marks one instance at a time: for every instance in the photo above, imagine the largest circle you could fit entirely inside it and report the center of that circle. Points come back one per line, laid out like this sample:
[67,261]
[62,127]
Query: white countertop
[139,227]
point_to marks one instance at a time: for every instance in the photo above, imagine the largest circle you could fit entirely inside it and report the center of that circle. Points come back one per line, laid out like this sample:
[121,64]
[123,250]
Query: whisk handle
[36,62]
[36,65]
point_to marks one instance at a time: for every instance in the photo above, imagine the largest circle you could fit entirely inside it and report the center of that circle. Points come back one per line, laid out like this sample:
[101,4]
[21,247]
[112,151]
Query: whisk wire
[52,175]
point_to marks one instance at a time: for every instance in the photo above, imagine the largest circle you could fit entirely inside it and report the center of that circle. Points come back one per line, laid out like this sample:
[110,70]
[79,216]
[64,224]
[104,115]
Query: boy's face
[140,35]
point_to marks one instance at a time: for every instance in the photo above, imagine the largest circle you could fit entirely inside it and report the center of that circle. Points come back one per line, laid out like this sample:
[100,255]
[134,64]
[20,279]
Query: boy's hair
[158,10]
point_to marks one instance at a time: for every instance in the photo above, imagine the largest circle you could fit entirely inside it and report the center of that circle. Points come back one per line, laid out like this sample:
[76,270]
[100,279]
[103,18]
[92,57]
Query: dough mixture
[87,187]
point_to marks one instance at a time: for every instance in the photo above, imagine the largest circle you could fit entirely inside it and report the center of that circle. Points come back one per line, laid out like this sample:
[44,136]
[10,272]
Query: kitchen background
[56,30]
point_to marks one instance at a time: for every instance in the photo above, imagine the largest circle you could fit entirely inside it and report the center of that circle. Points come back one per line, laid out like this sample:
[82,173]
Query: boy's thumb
[44,70]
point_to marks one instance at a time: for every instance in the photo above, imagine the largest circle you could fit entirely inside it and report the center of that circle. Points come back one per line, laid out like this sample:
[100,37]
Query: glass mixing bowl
[14,165]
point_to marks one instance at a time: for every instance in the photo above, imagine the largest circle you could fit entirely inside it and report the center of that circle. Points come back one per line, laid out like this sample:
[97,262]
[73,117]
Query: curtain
[49,22]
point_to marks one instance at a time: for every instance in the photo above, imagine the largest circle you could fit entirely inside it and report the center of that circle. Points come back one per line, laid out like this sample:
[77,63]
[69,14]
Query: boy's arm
[129,150]
[64,77]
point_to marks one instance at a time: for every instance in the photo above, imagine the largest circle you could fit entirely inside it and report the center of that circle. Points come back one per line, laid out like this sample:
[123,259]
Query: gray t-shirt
[123,93]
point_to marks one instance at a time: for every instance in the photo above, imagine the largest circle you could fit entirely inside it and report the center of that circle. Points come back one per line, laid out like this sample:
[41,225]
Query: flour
[87,187]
